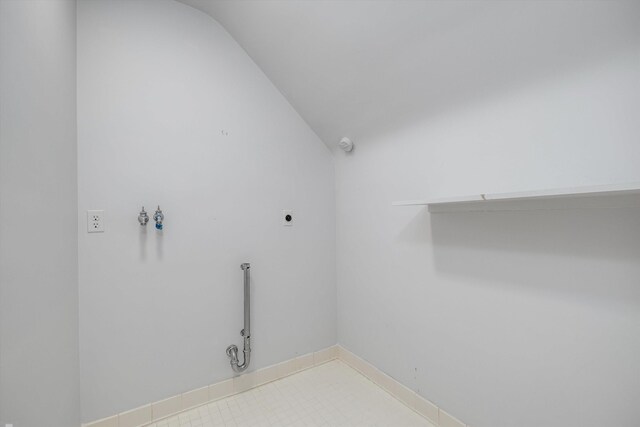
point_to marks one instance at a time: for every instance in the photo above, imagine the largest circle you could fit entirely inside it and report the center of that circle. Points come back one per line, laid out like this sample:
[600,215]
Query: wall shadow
[585,253]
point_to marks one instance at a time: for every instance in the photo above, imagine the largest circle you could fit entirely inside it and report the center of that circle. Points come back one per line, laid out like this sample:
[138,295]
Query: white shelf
[572,192]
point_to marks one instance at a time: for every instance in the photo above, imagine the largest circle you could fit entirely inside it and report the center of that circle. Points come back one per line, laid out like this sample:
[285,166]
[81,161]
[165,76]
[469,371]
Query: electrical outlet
[95,221]
[287,218]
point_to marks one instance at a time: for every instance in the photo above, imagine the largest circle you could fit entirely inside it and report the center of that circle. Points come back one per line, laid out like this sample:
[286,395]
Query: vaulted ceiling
[360,67]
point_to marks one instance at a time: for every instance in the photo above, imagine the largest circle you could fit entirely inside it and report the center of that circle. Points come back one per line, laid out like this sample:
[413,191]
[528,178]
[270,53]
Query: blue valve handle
[158,217]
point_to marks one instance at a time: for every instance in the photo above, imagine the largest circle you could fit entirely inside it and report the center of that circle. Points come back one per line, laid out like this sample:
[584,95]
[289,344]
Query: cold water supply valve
[158,217]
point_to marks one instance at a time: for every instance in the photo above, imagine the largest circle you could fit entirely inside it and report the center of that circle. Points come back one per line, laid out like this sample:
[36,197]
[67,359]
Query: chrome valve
[143,218]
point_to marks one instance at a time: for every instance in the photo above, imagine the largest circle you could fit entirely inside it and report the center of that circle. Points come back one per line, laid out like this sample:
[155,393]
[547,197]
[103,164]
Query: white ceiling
[359,67]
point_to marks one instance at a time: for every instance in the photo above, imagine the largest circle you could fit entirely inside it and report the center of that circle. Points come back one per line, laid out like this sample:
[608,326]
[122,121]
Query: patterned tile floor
[329,395]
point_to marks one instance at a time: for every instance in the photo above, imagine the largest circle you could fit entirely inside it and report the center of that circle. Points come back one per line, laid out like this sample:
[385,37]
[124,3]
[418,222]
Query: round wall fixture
[346,144]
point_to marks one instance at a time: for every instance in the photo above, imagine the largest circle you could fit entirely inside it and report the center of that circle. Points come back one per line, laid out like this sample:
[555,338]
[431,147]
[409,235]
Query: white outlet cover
[95,221]
[287,218]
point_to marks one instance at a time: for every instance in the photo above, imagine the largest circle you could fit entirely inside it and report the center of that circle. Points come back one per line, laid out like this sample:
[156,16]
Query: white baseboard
[422,406]
[171,406]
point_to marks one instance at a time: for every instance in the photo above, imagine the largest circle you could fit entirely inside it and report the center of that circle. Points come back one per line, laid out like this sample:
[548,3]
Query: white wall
[39,383]
[503,318]
[158,85]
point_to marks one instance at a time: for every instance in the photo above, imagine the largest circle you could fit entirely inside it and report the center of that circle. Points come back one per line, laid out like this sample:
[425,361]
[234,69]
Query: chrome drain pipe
[232,350]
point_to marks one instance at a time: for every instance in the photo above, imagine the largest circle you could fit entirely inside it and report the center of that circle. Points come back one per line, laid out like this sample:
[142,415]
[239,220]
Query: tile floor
[329,395]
